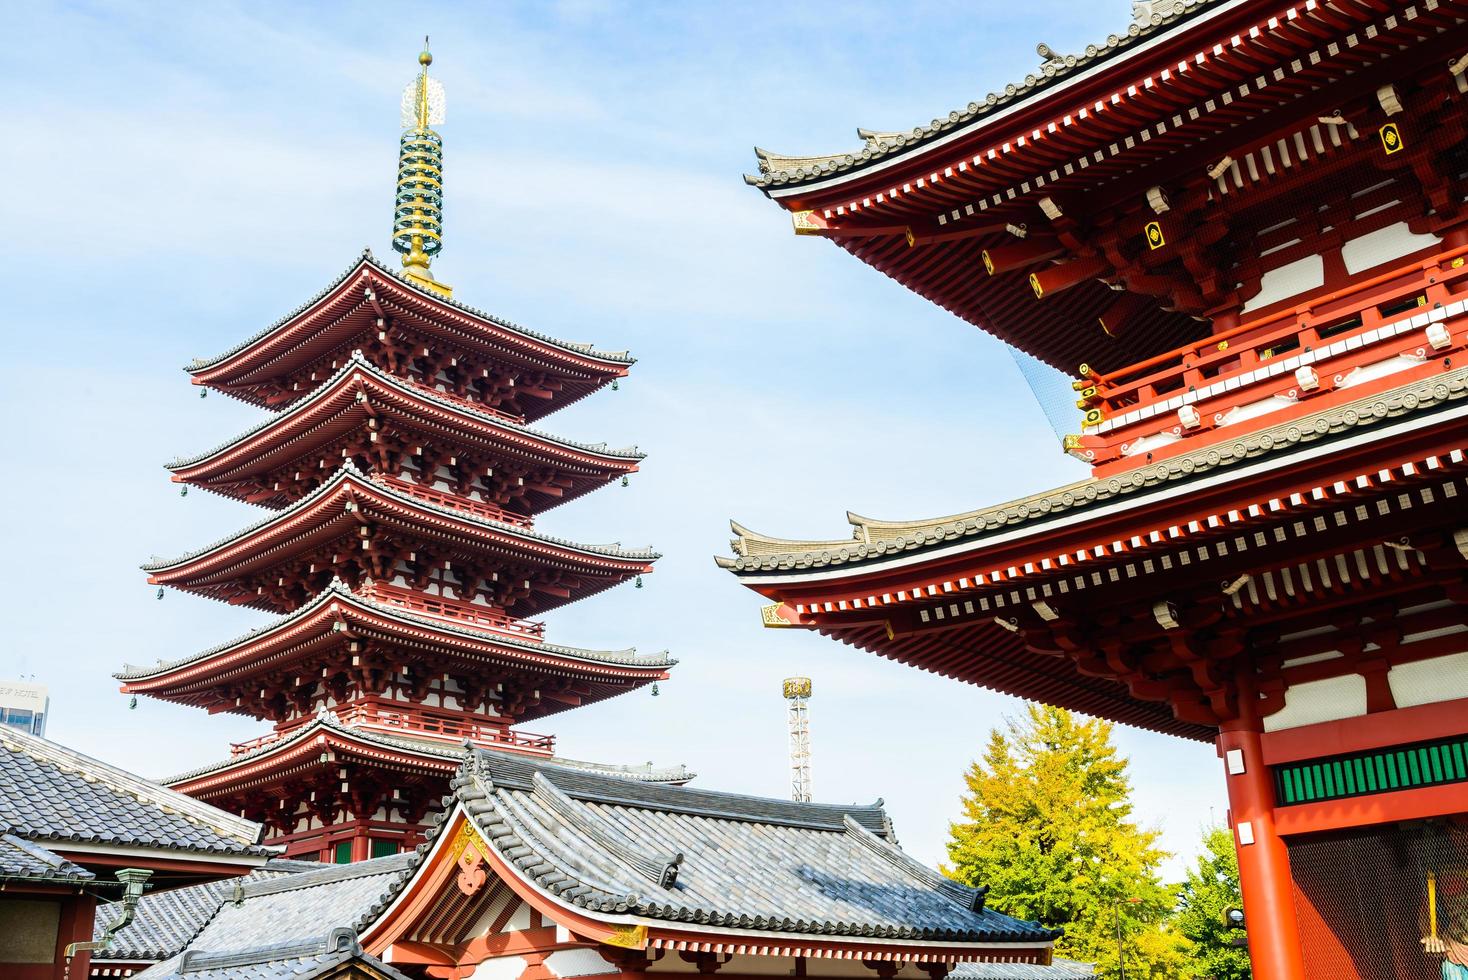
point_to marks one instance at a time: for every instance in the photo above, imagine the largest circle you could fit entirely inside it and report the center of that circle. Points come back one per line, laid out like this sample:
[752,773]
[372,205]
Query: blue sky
[182,175]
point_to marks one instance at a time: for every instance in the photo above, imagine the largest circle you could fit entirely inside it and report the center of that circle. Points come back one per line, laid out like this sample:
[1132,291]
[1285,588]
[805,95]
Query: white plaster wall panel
[1383,245]
[520,920]
[1429,681]
[1315,701]
[500,968]
[1290,279]
[577,963]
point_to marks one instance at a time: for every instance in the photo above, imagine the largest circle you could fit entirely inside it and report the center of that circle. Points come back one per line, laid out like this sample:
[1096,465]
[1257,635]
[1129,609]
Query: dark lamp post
[1120,952]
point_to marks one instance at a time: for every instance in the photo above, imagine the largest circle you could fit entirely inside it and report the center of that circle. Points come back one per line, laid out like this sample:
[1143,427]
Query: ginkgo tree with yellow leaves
[1048,826]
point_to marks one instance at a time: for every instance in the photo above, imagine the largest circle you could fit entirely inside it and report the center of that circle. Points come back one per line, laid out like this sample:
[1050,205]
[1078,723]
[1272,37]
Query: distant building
[24,706]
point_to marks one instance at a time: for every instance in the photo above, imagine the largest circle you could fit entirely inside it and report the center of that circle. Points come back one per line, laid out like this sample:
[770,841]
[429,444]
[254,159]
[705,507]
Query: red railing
[417,723]
[1327,337]
[468,505]
[1248,345]
[456,610]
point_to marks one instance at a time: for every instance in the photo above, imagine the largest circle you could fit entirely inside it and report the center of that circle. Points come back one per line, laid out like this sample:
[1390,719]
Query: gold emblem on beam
[804,223]
[770,616]
[1391,138]
[628,937]
[1155,238]
[467,837]
[1035,285]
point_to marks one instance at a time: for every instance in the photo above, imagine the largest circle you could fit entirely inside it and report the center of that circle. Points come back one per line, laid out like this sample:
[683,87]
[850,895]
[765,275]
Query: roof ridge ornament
[417,230]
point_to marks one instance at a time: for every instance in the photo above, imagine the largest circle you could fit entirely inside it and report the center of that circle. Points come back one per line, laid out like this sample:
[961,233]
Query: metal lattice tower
[797,693]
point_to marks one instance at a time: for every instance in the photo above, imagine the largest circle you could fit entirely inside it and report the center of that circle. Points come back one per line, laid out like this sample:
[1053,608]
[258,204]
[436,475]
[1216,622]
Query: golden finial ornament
[417,230]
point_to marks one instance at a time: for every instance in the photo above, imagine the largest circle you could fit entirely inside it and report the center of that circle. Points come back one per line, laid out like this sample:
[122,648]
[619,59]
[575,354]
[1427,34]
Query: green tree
[1211,887]
[1047,826]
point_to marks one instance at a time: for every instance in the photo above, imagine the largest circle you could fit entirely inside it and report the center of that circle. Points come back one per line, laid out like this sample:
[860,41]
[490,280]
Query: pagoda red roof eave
[240,370]
[349,491]
[342,394]
[261,649]
[289,752]
[367,269]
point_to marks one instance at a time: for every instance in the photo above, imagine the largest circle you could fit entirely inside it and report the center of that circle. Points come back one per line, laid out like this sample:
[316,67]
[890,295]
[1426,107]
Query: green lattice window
[1364,773]
[383,848]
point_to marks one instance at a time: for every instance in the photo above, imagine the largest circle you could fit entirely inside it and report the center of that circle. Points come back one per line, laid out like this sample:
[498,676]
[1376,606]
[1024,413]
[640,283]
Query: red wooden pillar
[359,844]
[1264,863]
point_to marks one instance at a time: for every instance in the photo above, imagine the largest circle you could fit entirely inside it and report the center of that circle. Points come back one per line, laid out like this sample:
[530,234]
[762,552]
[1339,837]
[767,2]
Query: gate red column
[1264,863]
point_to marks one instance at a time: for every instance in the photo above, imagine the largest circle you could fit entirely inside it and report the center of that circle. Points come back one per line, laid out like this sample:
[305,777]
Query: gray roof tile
[295,908]
[165,921]
[21,859]
[65,796]
[276,961]
[1057,970]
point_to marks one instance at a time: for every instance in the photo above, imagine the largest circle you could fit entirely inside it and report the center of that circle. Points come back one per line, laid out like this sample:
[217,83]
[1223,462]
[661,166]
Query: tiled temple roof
[611,845]
[874,541]
[58,796]
[1150,19]
[19,858]
[339,954]
[349,471]
[289,910]
[357,362]
[720,859]
[338,590]
[165,921]
[367,258]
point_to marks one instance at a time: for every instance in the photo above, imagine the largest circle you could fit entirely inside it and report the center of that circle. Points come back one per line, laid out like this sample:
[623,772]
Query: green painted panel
[1363,773]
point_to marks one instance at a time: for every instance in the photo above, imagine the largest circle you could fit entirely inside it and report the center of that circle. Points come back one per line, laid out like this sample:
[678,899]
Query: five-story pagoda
[402,482]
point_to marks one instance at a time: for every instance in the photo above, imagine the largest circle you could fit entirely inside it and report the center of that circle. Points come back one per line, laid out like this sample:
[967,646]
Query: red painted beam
[1365,811]
[1421,723]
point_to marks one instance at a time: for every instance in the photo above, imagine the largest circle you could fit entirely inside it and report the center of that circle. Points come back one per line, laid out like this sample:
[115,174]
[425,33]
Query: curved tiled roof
[1151,18]
[165,921]
[367,258]
[358,362]
[19,858]
[269,928]
[349,471]
[874,541]
[719,859]
[61,796]
[338,590]
[339,955]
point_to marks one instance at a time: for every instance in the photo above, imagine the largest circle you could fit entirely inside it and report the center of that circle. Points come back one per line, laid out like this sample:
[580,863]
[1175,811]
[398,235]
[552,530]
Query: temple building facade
[1240,227]
[401,476]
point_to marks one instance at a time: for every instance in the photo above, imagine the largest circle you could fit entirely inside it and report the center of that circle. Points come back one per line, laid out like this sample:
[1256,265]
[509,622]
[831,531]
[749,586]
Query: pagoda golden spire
[417,230]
